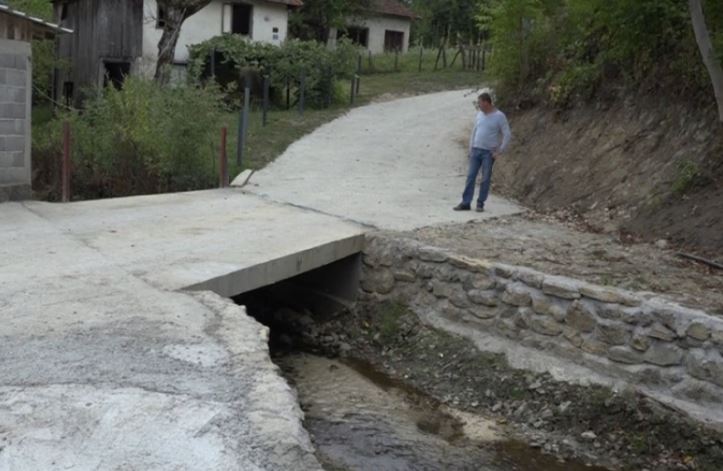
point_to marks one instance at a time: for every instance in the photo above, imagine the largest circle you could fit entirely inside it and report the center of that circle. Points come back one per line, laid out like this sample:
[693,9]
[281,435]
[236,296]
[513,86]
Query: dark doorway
[241,19]
[393,40]
[116,73]
[358,36]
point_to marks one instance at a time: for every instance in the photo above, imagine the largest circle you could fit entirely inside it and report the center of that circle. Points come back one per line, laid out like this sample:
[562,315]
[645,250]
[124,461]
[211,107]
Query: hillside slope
[643,167]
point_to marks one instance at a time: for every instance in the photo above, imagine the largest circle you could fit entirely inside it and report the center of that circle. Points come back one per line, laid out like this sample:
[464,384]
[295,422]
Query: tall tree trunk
[711,61]
[167,45]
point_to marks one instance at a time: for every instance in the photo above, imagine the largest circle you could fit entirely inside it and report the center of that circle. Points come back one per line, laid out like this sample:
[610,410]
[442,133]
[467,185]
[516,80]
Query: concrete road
[397,165]
[119,349]
[105,365]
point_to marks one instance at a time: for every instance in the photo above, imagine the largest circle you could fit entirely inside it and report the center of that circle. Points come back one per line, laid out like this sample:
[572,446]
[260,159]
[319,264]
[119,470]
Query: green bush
[283,64]
[137,140]
[564,50]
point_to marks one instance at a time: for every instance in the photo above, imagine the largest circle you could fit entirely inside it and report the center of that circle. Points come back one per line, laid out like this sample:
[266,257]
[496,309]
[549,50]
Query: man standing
[484,148]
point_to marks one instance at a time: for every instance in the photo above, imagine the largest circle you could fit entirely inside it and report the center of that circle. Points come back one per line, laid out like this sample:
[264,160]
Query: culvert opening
[359,417]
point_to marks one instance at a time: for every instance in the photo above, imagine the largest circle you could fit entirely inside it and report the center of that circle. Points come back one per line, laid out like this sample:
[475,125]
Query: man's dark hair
[486,97]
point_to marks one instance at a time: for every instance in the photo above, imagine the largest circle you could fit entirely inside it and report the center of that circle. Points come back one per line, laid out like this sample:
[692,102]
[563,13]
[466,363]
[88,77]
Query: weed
[688,173]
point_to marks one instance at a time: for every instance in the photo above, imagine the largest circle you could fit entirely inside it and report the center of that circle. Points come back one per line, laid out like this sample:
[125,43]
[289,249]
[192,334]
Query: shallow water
[362,420]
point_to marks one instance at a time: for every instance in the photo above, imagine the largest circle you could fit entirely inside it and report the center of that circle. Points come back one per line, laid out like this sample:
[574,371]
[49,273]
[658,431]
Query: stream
[360,420]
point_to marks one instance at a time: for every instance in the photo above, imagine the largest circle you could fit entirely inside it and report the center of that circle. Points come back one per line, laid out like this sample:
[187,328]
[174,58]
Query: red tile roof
[393,8]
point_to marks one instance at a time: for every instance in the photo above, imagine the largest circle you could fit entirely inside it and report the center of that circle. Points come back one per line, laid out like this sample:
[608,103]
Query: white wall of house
[211,21]
[378,25]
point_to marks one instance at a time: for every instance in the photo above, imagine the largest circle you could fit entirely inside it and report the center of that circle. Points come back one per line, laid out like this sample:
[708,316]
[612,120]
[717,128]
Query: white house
[117,38]
[384,27]
[259,20]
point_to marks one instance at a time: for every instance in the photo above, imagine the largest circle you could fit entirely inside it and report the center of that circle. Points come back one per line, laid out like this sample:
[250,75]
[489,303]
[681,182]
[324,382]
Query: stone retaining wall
[649,343]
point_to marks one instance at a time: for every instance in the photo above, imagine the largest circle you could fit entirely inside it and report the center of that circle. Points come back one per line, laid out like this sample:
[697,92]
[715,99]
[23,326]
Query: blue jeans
[478,158]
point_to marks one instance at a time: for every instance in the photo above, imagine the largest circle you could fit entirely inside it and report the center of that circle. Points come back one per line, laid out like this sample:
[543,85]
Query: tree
[710,59]
[174,13]
[316,18]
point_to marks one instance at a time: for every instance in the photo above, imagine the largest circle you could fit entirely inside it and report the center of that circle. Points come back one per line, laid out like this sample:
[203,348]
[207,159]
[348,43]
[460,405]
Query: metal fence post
[358,85]
[267,86]
[359,64]
[302,93]
[353,89]
[396,60]
[288,93]
[421,53]
[243,124]
[223,161]
[65,165]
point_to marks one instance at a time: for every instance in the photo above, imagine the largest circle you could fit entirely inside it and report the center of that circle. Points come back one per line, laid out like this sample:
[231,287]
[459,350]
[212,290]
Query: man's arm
[474,130]
[506,134]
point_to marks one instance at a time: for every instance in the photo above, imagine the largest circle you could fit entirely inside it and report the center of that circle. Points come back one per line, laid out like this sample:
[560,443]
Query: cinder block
[7,60]
[21,62]
[6,159]
[13,175]
[16,78]
[12,110]
[7,126]
[17,94]
[12,143]
[19,159]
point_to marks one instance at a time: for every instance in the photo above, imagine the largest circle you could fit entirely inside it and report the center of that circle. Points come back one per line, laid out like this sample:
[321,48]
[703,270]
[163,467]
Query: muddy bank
[592,424]
[652,168]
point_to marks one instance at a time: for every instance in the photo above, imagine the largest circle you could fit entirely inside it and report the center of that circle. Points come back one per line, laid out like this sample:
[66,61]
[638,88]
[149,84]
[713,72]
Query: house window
[241,19]
[393,40]
[160,17]
[116,73]
[358,35]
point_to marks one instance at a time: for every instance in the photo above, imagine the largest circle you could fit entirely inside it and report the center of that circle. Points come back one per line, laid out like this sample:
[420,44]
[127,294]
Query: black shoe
[480,209]
[462,207]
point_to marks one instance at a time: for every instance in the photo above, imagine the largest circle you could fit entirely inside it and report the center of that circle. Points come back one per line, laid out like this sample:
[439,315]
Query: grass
[284,127]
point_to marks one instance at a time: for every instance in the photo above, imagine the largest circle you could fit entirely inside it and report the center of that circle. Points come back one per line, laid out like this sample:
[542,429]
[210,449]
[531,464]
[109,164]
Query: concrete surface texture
[107,366]
[119,350]
[397,165]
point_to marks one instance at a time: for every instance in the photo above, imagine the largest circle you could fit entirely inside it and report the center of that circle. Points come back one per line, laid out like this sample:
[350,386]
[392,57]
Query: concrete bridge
[119,347]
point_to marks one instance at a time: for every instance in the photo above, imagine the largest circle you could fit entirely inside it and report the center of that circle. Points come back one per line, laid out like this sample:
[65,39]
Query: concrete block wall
[15,119]
[652,345]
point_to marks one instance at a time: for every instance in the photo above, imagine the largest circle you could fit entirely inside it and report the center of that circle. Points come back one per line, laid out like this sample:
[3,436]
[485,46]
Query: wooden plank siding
[104,30]
[15,28]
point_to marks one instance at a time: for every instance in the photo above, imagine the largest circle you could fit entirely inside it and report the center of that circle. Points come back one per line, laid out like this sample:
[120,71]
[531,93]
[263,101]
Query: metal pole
[243,125]
[223,161]
[302,93]
[288,93]
[353,89]
[421,53]
[329,86]
[267,86]
[359,64]
[358,84]
[65,165]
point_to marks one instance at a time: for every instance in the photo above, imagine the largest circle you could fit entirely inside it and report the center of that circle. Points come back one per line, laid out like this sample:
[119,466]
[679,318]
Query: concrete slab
[107,366]
[397,165]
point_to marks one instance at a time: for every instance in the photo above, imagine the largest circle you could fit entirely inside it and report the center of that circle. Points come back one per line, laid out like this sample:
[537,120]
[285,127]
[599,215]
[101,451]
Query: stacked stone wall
[649,343]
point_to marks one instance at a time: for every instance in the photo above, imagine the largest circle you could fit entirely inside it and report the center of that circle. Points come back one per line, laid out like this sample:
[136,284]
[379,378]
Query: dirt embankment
[644,167]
